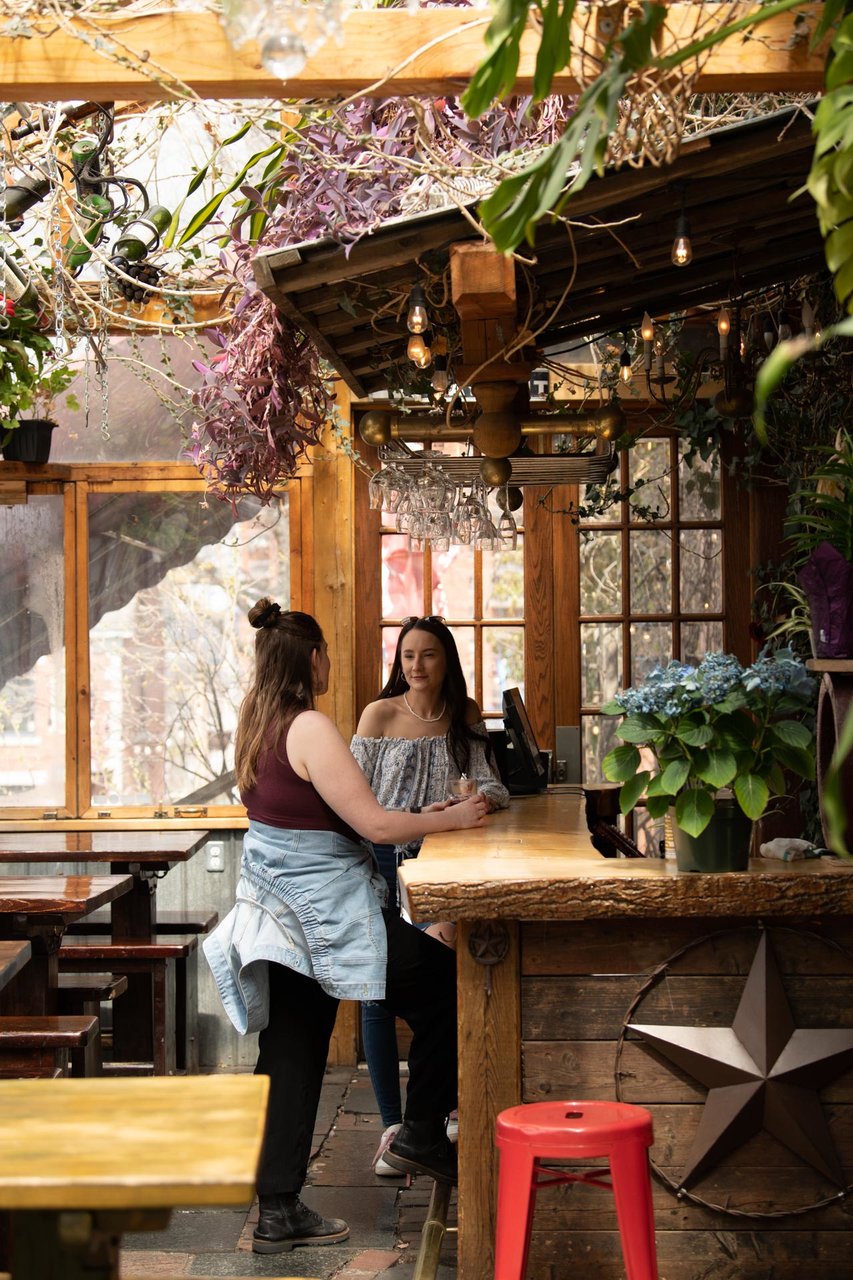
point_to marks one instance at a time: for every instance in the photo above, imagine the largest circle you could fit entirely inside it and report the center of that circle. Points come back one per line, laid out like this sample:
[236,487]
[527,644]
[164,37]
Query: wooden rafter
[384,52]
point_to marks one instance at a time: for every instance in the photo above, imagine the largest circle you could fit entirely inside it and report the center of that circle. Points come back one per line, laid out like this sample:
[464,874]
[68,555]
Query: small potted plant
[820,536]
[30,379]
[715,741]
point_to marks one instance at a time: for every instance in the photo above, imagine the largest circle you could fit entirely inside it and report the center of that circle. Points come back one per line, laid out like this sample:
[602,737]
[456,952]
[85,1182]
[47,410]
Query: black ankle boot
[422,1146]
[284,1222]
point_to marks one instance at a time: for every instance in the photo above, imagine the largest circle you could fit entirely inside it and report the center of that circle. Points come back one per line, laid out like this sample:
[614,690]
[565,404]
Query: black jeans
[293,1047]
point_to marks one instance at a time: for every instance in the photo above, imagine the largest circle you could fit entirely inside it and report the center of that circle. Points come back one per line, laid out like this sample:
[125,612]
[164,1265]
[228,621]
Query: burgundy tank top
[280,798]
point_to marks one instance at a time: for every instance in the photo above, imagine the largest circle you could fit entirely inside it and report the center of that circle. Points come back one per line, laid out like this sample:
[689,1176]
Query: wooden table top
[143,1142]
[66,896]
[100,846]
[13,957]
[535,861]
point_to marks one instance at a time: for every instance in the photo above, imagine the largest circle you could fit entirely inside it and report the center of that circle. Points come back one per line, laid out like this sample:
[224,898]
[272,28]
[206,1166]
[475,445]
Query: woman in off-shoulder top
[421,735]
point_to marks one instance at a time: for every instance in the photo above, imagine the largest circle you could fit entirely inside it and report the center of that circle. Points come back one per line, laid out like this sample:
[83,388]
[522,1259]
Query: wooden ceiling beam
[384,53]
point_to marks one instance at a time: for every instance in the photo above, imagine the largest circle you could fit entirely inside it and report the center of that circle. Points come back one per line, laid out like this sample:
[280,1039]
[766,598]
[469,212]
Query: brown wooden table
[554,946]
[13,957]
[82,1161]
[38,909]
[145,855]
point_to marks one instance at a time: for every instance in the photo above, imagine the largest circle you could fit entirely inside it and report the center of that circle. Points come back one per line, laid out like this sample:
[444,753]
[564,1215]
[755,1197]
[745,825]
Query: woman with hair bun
[310,927]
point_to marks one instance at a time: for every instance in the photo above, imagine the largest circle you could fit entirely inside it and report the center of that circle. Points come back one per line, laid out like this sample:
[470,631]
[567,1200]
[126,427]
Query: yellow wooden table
[82,1161]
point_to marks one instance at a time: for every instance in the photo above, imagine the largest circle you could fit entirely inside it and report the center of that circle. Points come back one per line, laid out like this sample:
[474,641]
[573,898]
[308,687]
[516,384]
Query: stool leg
[516,1202]
[632,1191]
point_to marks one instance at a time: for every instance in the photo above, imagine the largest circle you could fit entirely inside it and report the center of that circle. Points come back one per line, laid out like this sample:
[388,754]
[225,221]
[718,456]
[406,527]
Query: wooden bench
[41,1046]
[167,922]
[82,994]
[165,965]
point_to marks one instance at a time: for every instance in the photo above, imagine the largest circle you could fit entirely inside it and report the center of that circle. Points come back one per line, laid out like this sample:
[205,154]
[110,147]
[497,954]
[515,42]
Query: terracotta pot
[722,846]
[29,441]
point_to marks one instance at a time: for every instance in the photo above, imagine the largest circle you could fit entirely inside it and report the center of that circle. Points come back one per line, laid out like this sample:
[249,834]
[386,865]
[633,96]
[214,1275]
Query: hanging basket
[29,441]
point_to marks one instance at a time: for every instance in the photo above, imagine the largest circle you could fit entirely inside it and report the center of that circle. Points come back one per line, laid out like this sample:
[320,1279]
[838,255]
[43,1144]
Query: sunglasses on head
[427,617]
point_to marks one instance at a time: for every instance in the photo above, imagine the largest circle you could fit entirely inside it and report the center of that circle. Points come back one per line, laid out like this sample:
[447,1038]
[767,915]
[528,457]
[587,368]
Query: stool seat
[574,1130]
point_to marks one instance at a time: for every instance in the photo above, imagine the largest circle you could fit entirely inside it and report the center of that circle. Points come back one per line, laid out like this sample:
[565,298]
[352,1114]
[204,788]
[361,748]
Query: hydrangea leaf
[674,776]
[621,763]
[695,735]
[632,790]
[718,767]
[791,732]
[752,794]
[694,809]
[798,759]
[640,728]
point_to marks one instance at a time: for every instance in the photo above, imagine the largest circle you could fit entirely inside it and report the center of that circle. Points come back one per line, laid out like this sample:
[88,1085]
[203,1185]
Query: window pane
[599,737]
[503,664]
[651,571]
[453,583]
[651,646]
[171,648]
[32,654]
[464,637]
[503,583]
[601,572]
[402,577]
[601,662]
[699,490]
[649,472]
[148,417]
[701,571]
[699,638]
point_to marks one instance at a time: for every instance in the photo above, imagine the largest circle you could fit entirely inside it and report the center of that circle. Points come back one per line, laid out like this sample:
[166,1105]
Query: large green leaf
[640,728]
[752,794]
[694,809]
[674,776]
[799,760]
[791,732]
[632,790]
[694,735]
[717,768]
[621,763]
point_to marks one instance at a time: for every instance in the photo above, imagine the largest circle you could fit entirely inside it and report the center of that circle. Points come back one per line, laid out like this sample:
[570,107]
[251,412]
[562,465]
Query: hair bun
[267,617]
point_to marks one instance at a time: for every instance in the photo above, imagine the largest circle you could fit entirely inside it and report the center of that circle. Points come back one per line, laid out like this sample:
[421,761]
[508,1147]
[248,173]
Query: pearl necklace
[426,719]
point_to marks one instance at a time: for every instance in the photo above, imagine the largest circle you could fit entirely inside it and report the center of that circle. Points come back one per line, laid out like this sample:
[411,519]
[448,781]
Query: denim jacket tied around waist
[310,900]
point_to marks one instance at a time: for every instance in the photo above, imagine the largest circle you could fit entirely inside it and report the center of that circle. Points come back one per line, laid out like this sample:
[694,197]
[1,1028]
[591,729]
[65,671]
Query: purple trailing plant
[266,392]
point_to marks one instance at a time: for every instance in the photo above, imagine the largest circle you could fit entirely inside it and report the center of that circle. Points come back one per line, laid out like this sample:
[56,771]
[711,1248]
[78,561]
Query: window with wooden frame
[124,645]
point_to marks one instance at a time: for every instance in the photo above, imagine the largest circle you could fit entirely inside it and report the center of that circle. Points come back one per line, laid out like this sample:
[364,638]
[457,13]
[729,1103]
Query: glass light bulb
[417,319]
[284,54]
[440,381]
[724,324]
[648,328]
[424,360]
[416,348]
[682,251]
[625,373]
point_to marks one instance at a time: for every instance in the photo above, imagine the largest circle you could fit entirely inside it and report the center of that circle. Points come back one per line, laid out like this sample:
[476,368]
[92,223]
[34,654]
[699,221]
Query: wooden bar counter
[559,950]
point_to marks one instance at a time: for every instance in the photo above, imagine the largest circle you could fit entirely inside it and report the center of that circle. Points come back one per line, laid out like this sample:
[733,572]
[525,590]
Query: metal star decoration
[762,1072]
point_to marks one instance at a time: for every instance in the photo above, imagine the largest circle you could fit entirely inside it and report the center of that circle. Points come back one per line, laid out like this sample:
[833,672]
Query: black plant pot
[29,441]
[827,580]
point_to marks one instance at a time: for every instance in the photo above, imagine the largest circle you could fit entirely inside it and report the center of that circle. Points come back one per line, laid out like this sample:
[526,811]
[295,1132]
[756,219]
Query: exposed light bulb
[625,365]
[769,334]
[682,249]
[440,379]
[417,320]
[724,326]
[416,348]
[818,328]
[647,329]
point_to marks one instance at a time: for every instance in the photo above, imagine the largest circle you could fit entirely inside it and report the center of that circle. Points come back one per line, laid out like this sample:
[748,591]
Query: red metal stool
[539,1131]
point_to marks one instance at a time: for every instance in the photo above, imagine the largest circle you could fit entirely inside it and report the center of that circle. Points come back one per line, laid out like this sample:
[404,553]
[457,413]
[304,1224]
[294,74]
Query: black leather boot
[284,1222]
[422,1146]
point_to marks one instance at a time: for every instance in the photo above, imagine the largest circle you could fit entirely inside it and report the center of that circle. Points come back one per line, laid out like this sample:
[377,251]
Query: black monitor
[526,771]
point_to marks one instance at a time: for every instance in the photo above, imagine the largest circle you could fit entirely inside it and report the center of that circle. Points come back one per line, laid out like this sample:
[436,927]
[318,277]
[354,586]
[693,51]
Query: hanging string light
[682,248]
[417,320]
[625,361]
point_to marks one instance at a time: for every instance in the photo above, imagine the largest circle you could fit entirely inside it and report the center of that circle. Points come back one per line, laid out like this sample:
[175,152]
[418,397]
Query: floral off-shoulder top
[406,773]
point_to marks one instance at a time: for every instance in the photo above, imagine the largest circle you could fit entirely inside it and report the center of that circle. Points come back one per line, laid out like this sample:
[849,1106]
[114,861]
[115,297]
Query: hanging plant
[263,402]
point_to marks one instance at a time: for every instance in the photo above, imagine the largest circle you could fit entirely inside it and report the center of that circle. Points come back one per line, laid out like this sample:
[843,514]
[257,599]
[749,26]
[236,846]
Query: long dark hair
[454,690]
[282,684]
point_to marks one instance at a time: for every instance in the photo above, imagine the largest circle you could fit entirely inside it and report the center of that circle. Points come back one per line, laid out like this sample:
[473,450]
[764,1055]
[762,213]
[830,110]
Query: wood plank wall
[578,982]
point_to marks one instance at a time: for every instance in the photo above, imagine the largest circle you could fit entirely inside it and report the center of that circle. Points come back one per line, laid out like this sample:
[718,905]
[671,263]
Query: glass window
[32,654]
[701,571]
[601,572]
[601,662]
[170,647]
[651,571]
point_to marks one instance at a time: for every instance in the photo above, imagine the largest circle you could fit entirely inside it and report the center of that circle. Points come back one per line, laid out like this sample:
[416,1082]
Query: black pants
[293,1047]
